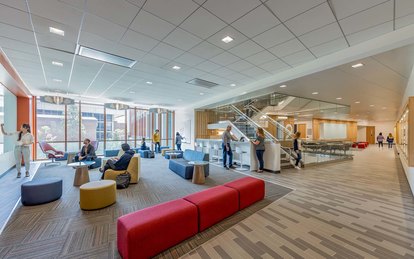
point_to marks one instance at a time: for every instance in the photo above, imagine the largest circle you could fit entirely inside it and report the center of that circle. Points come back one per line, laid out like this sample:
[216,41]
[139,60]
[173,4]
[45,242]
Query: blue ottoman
[41,191]
[144,153]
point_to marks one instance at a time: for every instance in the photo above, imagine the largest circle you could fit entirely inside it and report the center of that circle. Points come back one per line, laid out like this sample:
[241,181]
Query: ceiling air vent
[202,83]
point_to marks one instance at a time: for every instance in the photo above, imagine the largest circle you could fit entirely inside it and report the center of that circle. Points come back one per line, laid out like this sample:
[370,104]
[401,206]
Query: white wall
[385,127]
[362,134]
[184,123]
[10,122]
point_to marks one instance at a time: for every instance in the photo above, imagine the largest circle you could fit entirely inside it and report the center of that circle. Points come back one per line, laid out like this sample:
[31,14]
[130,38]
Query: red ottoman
[214,205]
[147,232]
[250,190]
[361,145]
[354,145]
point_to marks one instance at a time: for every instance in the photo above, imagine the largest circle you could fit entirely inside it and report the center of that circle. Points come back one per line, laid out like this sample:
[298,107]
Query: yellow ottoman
[97,195]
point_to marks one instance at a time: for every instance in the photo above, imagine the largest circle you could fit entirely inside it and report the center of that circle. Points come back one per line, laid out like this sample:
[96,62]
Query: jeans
[299,157]
[157,150]
[178,146]
[380,144]
[225,153]
[259,154]
[20,151]
[389,144]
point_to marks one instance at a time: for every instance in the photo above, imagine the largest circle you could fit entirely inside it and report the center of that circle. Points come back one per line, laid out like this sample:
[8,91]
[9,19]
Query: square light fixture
[176,67]
[104,56]
[227,39]
[357,65]
[282,86]
[55,63]
[149,82]
[57,31]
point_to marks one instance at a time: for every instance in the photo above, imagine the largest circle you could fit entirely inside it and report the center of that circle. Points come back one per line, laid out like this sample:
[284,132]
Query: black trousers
[110,164]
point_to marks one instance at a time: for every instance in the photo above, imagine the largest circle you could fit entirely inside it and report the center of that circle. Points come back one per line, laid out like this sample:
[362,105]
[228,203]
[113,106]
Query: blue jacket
[123,162]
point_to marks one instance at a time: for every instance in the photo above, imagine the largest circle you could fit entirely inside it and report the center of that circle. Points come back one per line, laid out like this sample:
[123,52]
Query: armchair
[134,168]
[50,152]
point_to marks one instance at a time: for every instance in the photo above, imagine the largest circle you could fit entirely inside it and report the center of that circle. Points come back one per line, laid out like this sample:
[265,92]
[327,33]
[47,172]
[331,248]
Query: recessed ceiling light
[357,102]
[176,67]
[57,31]
[282,86]
[338,98]
[131,92]
[233,85]
[201,93]
[244,93]
[149,82]
[357,65]
[57,80]
[371,105]
[227,39]
[315,93]
[59,64]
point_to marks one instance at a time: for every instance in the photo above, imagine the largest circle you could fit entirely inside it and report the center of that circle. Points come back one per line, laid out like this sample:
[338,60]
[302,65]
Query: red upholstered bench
[362,145]
[148,232]
[250,190]
[214,205]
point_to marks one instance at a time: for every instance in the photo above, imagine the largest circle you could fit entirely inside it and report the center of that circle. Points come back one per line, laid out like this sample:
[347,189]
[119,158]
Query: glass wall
[65,126]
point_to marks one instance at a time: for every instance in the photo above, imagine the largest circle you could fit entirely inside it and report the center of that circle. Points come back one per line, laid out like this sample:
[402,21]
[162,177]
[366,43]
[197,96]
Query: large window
[65,126]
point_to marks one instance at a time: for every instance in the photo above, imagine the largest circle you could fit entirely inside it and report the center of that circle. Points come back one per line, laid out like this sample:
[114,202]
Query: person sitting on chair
[143,144]
[87,153]
[121,163]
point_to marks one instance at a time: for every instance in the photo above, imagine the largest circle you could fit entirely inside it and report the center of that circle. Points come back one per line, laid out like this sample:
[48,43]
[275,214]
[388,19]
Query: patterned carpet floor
[60,229]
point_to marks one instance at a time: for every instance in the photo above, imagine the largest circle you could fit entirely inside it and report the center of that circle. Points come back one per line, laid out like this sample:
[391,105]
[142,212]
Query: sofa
[134,168]
[147,232]
[181,167]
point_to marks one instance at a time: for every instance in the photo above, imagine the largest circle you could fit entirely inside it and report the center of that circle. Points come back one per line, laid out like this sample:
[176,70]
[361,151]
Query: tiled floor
[356,209]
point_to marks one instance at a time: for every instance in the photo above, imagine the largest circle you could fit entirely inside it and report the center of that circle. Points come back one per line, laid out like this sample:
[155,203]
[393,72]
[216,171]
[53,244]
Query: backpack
[123,180]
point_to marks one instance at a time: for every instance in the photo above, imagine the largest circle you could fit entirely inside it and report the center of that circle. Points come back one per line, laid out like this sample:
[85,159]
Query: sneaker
[227,168]
[233,167]
[19,175]
[297,167]
[27,174]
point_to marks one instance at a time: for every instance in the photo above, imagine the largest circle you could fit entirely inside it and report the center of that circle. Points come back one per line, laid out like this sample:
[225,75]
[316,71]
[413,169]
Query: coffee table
[198,172]
[81,173]
[71,157]
[173,155]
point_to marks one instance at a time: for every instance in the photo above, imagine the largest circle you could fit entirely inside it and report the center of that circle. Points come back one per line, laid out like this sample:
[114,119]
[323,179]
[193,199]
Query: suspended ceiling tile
[287,48]
[167,51]
[197,22]
[104,28]
[313,19]
[139,41]
[206,50]
[237,37]
[274,66]
[124,14]
[182,39]
[230,10]
[370,33]
[174,11]
[327,33]
[256,21]
[261,57]
[224,59]
[274,36]
[286,9]
[240,65]
[347,8]
[189,59]
[151,25]
[329,47]
[364,20]
[246,49]
[208,66]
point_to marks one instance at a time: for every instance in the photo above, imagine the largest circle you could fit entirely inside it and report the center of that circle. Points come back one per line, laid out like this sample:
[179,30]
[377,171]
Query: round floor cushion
[41,191]
[97,195]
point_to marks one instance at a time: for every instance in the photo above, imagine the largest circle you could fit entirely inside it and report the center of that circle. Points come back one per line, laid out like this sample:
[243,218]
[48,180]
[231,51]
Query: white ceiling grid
[270,36]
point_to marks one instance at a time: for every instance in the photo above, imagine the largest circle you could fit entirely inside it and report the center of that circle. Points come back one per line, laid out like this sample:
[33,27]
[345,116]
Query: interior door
[302,130]
[371,134]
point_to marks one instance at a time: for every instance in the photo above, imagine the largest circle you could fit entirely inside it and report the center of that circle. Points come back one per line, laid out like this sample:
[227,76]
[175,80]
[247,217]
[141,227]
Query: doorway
[370,134]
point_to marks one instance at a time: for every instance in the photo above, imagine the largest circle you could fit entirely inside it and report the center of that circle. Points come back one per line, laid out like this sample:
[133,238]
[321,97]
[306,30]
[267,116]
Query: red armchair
[50,152]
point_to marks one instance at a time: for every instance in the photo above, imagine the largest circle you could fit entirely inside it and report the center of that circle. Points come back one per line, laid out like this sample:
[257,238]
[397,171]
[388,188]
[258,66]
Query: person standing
[156,141]
[87,152]
[380,140]
[22,147]
[390,140]
[260,148]
[297,148]
[178,140]
[226,138]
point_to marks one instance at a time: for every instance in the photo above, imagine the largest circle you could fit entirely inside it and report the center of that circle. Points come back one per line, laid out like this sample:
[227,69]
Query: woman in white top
[22,147]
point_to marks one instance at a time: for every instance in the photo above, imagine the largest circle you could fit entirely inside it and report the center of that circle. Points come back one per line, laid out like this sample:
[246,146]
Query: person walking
[297,149]
[390,140]
[259,147]
[226,138]
[178,140]
[380,140]
[156,141]
[22,147]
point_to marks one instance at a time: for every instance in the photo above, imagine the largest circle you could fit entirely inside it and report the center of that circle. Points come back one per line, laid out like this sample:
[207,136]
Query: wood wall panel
[351,129]
[201,121]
